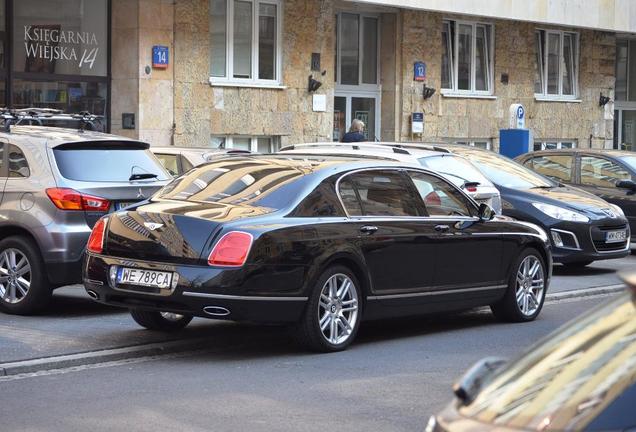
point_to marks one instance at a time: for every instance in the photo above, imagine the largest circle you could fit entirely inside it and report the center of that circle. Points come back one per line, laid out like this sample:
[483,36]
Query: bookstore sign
[47,45]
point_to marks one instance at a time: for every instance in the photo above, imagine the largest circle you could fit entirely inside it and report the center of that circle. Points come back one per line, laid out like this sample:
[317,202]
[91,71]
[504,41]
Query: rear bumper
[64,273]
[201,291]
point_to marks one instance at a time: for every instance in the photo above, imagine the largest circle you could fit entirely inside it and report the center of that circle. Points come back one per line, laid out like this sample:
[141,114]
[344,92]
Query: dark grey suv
[54,185]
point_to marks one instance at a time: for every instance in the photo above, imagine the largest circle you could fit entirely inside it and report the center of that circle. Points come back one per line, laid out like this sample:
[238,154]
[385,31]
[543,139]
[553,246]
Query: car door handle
[442,228]
[368,229]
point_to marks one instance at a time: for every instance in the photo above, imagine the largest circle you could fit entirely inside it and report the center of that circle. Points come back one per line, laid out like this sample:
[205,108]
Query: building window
[467,57]
[357,44]
[483,144]
[557,64]
[625,95]
[258,144]
[554,145]
[245,41]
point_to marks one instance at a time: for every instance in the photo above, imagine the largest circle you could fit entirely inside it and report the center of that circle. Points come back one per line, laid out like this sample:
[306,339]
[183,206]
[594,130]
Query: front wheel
[332,316]
[526,289]
[161,321]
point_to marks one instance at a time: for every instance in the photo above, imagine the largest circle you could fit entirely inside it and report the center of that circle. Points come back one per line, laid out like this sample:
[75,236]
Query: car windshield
[454,168]
[97,163]
[507,173]
[583,377]
[630,160]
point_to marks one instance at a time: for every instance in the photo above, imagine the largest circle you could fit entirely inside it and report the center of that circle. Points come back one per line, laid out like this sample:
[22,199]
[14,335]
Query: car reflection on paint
[583,377]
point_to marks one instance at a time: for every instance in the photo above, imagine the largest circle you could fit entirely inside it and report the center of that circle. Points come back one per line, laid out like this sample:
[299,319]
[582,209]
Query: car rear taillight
[471,189]
[70,199]
[231,250]
[96,239]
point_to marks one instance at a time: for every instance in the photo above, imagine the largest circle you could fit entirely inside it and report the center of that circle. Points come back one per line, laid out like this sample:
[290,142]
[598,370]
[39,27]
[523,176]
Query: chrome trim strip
[576,240]
[434,293]
[94,282]
[236,297]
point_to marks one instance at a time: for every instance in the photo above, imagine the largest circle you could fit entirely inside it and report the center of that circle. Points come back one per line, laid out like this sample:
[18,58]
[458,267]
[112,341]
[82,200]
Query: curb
[101,356]
[162,348]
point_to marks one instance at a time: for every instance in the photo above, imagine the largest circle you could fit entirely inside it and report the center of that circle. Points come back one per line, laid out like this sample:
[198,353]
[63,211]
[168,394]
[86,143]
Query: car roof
[55,136]
[600,152]
[381,150]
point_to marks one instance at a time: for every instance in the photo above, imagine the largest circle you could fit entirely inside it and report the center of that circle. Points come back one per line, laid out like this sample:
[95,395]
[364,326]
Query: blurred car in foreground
[583,377]
[454,168]
[317,242]
[583,227]
[609,174]
[178,160]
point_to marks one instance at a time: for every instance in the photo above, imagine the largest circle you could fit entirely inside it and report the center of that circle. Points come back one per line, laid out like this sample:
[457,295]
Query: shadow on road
[561,270]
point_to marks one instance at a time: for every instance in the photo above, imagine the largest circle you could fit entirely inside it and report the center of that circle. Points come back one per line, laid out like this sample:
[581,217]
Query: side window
[440,198]
[379,193]
[185,163]
[558,167]
[596,171]
[321,202]
[18,165]
[169,162]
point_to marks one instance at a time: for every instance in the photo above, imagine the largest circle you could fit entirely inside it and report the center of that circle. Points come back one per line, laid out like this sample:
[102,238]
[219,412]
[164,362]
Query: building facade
[258,74]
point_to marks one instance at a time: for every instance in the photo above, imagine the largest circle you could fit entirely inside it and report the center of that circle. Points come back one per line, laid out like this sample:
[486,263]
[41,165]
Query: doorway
[358,90]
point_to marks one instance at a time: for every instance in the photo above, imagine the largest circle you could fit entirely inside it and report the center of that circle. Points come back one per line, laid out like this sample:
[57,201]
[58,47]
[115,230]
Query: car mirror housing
[470,384]
[626,184]
[486,213]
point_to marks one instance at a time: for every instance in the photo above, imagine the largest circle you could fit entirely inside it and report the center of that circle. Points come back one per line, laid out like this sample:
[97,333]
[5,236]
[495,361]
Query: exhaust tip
[92,294]
[216,311]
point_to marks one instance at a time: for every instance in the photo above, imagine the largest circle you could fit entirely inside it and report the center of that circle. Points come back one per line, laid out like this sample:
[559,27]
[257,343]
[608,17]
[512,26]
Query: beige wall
[447,117]
[184,95]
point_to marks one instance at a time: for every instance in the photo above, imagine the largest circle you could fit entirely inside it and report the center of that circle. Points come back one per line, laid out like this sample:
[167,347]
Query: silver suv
[54,185]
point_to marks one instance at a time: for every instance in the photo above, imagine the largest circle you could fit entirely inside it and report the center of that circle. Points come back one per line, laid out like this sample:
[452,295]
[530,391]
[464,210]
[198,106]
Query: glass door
[358,89]
[625,129]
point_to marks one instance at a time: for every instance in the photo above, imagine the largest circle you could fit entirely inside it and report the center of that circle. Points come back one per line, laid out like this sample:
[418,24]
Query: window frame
[255,81]
[229,141]
[453,50]
[543,69]
[559,144]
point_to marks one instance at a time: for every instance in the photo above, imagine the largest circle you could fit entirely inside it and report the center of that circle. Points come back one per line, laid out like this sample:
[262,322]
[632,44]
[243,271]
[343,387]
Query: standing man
[355,133]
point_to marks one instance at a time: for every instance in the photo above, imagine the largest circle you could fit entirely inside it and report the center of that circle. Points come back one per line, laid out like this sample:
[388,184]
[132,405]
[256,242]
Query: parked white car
[454,168]
[178,160]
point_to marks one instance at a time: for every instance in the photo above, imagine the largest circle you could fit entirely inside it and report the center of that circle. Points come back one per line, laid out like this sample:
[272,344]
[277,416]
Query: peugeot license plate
[615,236]
[149,278]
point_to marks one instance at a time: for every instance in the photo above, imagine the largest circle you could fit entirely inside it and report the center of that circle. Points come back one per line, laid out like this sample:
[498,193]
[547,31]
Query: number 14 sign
[160,58]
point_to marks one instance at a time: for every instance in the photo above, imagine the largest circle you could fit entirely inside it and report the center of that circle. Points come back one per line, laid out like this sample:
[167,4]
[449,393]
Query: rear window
[265,183]
[107,164]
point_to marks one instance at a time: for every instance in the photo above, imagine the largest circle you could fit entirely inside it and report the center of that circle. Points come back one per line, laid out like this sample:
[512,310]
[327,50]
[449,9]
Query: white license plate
[123,204]
[615,236]
[149,278]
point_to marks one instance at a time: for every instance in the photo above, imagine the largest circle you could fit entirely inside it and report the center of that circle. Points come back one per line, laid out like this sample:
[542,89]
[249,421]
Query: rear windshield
[455,169]
[257,182]
[631,161]
[108,164]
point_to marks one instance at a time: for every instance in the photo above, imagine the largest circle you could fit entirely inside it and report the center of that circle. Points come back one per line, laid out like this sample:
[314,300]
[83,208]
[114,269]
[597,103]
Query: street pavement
[395,375]
[75,324]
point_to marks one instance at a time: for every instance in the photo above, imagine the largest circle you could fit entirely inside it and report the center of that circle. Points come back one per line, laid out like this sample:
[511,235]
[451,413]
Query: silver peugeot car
[55,184]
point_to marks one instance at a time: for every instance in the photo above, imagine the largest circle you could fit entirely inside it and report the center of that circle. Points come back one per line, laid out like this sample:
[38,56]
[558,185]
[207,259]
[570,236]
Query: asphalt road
[74,323]
[391,379]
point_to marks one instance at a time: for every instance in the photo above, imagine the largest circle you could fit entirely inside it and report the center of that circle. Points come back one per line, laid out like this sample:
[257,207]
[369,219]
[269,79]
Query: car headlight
[560,213]
[619,211]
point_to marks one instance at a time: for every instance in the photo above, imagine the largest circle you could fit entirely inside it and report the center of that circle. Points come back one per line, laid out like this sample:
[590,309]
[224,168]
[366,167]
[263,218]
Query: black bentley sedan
[583,227]
[316,242]
[609,174]
[581,378]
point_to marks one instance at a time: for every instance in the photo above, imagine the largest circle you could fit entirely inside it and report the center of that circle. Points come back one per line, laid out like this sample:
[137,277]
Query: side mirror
[470,384]
[486,212]
[626,184]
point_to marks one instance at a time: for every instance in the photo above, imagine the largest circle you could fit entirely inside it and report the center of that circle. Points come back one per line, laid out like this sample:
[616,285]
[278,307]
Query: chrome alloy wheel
[171,316]
[15,276]
[530,285]
[338,308]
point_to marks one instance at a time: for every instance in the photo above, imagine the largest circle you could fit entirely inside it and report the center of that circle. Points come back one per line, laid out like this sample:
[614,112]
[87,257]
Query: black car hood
[562,196]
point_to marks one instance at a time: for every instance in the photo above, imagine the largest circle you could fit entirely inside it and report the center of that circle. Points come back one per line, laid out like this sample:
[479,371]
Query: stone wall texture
[183,96]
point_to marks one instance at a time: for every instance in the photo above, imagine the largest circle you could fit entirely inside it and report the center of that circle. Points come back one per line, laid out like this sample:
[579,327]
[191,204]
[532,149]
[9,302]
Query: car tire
[577,265]
[160,321]
[332,316]
[526,289]
[24,286]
